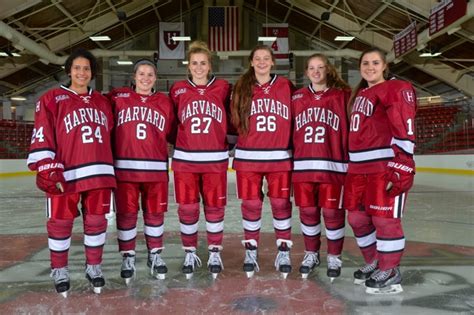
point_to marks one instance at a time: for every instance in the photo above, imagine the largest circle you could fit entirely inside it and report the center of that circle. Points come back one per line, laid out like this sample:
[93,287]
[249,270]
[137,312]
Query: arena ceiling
[43,32]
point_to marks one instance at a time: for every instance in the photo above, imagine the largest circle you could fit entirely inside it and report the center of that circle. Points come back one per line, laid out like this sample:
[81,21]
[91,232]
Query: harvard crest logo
[409,96]
[169,42]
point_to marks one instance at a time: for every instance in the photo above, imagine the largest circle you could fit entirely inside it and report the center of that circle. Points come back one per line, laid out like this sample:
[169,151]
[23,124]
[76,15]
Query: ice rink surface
[437,267]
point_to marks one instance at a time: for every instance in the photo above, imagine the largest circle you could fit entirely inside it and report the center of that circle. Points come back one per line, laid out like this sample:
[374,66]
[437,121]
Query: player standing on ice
[261,114]
[200,158]
[144,123]
[320,129]
[71,152]
[381,170]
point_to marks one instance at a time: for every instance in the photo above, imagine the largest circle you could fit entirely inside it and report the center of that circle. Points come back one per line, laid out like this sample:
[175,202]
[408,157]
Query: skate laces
[215,259]
[60,274]
[310,259]
[156,260]
[128,262]
[334,262]
[94,271]
[191,259]
[283,258]
[369,267]
[382,275]
[251,258]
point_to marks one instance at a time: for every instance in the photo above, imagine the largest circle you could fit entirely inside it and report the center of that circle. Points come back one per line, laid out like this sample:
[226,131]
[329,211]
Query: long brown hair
[333,79]
[363,83]
[243,92]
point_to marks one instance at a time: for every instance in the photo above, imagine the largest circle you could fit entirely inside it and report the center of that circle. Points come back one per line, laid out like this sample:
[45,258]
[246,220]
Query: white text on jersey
[201,107]
[141,113]
[317,114]
[268,105]
[363,105]
[83,116]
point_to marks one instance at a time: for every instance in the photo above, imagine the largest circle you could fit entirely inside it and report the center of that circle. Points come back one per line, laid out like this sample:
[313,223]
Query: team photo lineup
[343,152]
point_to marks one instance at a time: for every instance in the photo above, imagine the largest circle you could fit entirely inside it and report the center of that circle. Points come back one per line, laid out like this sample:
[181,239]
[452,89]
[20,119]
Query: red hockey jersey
[266,146]
[143,127]
[320,131]
[202,113]
[75,130]
[382,120]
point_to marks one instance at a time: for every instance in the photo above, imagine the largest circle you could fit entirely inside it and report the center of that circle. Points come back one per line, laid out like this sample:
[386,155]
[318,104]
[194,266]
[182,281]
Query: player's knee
[252,206]
[355,219]
[281,204]
[188,211]
[95,220]
[387,226]
[333,214]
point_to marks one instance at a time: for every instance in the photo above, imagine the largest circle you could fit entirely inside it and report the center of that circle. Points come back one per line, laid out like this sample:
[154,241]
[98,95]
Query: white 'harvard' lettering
[202,107]
[363,105]
[268,105]
[83,116]
[141,113]
[317,114]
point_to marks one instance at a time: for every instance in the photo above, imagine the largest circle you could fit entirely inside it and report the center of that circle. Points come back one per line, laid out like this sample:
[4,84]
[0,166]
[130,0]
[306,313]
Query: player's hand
[50,178]
[400,174]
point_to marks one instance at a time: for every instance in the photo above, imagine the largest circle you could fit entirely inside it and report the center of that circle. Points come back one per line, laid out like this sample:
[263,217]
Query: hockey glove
[50,178]
[400,175]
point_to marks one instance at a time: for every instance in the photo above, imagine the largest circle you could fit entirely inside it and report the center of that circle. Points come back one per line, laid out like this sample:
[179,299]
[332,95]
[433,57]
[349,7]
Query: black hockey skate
[128,267]
[250,261]
[157,265]
[310,261]
[282,260]
[95,277]
[364,273]
[214,263]
[61,280]
[191,261]
[334,267]
[384,282]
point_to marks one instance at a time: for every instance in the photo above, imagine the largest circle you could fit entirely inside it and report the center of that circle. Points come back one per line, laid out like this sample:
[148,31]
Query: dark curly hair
[84,53]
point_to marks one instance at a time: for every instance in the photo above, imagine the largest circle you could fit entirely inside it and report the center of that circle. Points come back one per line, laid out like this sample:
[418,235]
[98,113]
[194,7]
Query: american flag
[223,28]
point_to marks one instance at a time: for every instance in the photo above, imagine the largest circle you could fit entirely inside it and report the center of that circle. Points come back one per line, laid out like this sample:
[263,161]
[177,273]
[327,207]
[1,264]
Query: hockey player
[381,170]
[320,128]
[144,123]
[261,114]
[71,152]
[200,158]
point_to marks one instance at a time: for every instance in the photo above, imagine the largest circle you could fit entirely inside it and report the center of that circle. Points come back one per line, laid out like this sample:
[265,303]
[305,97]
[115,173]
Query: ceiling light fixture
[18,98]
[181,38]
[100,38]
[430,54]
[267,38]
[344,38]
[3,54]
[124,62]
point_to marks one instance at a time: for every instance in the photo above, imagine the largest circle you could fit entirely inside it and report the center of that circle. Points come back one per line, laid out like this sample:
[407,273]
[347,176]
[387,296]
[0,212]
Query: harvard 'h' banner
[169,49]
[280,46]
[223,28]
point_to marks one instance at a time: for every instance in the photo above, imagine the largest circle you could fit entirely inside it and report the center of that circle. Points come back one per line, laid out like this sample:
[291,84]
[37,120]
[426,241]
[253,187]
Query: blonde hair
[199,47]
[333,79]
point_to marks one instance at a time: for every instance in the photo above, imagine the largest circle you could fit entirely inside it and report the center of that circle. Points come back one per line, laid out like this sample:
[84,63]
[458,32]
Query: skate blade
[304,275]
[64,294]
[161,276]
[97,290]
[249,274]
[284,275]
[188,276]
[359,281]
[393,289]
